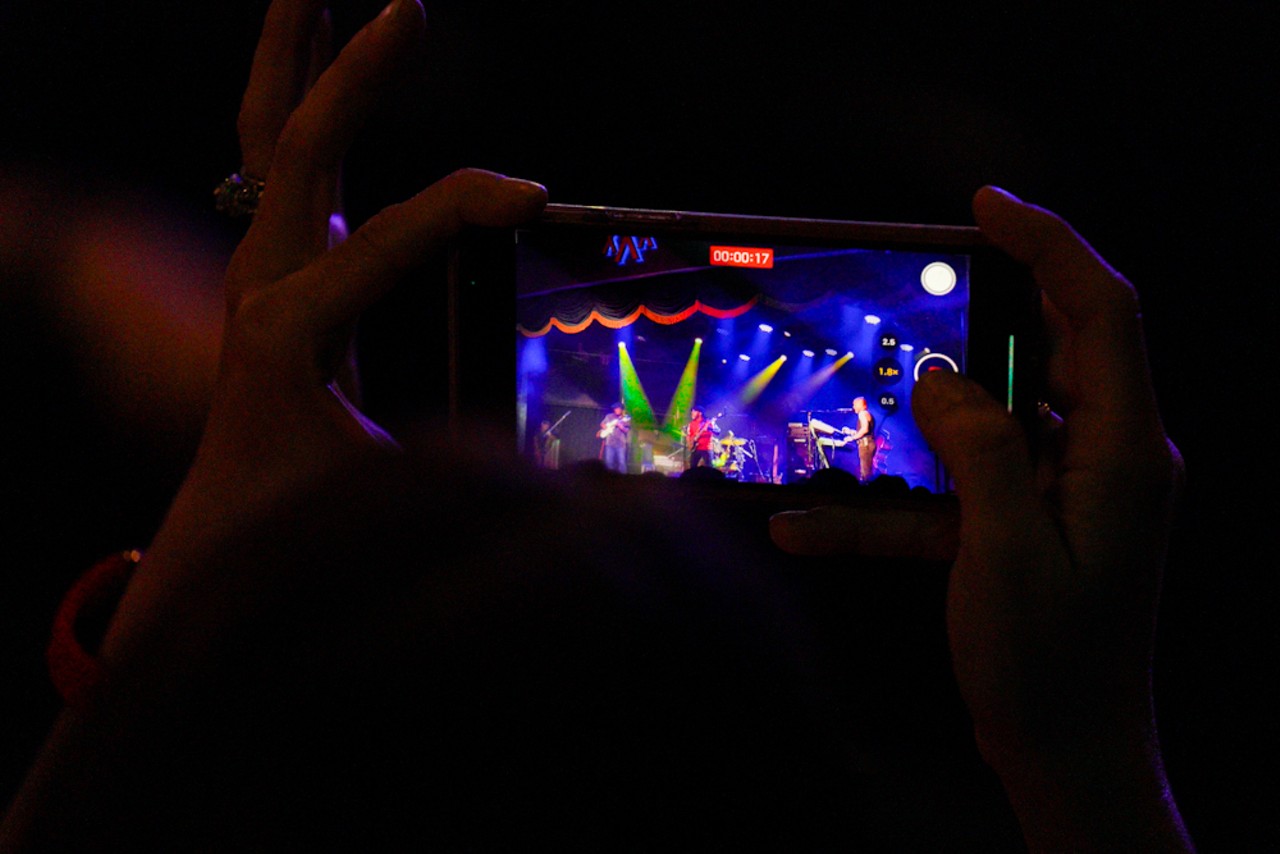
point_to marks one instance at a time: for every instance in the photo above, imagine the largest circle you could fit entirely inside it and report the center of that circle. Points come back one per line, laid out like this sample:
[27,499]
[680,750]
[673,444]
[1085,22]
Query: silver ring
[238,195]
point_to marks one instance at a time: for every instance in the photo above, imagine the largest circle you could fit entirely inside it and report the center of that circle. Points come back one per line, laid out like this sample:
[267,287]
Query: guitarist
[615,435]
[697,438]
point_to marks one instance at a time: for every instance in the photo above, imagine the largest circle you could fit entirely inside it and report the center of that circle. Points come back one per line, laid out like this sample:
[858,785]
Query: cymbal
[733,441]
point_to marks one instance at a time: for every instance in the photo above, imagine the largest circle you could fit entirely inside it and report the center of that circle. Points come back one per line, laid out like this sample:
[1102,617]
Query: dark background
[1147,128]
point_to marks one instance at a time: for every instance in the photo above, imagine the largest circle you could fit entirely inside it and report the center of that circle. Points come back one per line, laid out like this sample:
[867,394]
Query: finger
[867,531]
[1080,283]
[321,49]
[985,451]
[1108,357]
[338,287]
[283,67]
[291,224]
[1058,389]
[1050,449]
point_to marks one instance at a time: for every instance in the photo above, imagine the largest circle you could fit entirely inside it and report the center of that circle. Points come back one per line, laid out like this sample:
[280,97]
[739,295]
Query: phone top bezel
[897,235]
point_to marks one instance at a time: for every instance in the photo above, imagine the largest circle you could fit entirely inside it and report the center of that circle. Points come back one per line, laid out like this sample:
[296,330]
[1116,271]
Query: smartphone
[764,349]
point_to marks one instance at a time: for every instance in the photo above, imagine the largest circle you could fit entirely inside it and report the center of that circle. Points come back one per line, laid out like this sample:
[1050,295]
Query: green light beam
[683,397]
[633,396]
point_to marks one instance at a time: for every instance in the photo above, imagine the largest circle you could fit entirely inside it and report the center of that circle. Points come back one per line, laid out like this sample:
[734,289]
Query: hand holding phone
[1052,601]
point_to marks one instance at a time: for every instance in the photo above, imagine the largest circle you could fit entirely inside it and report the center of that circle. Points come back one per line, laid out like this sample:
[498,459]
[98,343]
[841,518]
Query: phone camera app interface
[762,362]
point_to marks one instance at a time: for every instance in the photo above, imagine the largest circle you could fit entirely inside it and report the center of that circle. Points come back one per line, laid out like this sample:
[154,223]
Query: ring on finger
[238,195]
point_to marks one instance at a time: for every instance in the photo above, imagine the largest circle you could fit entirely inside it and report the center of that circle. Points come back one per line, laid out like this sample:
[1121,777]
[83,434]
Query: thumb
[983,448]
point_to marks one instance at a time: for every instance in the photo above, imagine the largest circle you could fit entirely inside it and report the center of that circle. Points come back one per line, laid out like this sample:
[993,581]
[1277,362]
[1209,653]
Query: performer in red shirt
[697,438]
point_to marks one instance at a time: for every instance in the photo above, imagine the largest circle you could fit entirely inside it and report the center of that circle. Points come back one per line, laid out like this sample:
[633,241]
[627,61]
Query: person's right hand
[1052,599]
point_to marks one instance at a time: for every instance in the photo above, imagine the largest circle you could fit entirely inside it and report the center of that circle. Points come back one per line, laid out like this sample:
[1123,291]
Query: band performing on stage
[733,444]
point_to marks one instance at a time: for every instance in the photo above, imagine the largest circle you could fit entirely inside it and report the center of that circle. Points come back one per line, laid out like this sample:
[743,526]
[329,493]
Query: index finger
[291,226]
[1107,351]
[285,63]
[346,280]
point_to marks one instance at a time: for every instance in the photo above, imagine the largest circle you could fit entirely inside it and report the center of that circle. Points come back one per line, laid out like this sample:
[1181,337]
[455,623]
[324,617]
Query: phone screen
[753,349]
[763,359]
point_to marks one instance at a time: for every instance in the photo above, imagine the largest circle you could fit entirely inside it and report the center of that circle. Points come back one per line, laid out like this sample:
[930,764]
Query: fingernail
[1003,192]
[802,532]
[530,189]
[399,7]
[944,389]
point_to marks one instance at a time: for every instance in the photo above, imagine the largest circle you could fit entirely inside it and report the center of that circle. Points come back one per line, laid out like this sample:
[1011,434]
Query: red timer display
[741,256]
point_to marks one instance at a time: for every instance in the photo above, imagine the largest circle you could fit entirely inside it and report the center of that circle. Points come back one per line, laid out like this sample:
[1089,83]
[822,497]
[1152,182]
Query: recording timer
[741,256]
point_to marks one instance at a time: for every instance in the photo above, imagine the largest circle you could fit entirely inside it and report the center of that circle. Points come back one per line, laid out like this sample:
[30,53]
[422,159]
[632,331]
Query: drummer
[698,434]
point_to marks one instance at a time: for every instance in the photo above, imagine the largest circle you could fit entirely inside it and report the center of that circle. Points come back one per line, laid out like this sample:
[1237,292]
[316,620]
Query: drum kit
[734,457]
[730,454]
